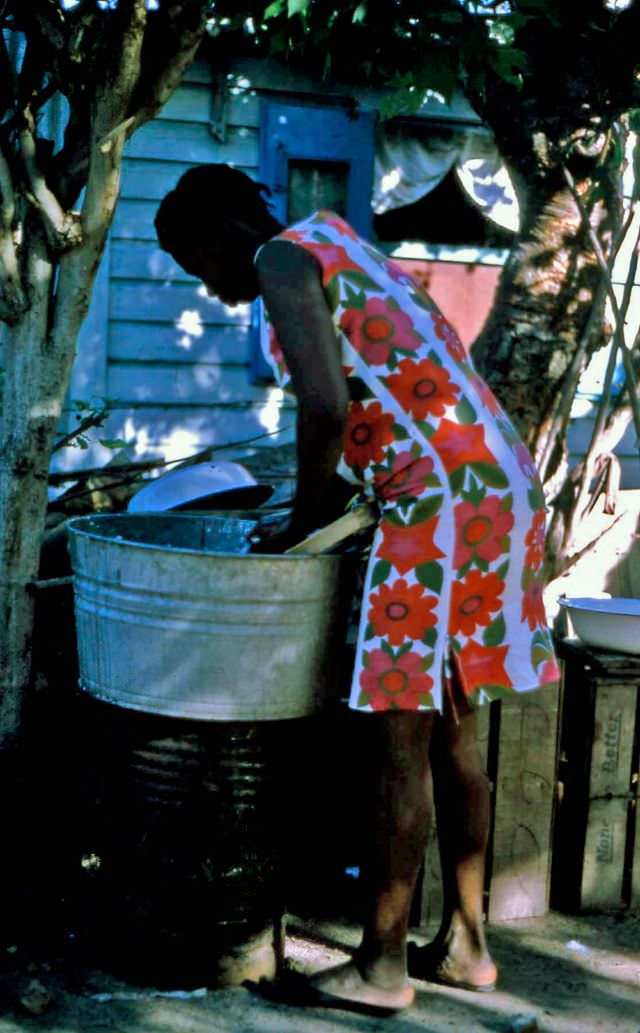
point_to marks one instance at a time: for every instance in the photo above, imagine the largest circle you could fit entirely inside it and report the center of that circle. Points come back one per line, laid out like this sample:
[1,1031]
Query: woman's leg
[377,976]
[459,954]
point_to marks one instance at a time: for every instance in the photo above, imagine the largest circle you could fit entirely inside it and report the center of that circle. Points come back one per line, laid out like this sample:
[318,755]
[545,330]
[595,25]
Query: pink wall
[464,293]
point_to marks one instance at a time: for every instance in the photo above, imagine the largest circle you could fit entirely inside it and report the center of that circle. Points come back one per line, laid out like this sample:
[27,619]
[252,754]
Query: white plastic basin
[612,624]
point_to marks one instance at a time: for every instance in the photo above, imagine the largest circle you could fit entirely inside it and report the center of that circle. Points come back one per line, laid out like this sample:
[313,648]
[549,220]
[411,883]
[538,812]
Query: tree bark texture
[49,256]
[544,302]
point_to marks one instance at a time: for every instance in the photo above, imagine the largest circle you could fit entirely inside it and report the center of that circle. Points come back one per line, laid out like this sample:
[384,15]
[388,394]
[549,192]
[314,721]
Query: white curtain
[410,163]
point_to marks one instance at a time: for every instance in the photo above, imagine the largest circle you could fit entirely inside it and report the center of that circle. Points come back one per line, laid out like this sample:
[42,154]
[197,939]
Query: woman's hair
[202,206]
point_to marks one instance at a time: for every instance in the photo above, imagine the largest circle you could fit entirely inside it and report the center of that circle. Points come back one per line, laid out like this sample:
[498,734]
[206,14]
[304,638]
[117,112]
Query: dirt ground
[572,974]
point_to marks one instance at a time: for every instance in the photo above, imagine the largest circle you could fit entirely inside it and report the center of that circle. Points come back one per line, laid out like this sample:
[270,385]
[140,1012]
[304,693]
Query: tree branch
[113,95]
[62,228]
[13,302]
[617,314]
[161,68]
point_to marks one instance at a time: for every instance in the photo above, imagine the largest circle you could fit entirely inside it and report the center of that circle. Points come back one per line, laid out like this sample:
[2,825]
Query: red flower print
[407,477]
[525,461]
[400,683]
[446,333]
[422,388]
[274,346]
[533,611]
[549,672]
[485,394]
[534,540]
[408,546]
[457,444]
[343,228]
[480,530]
[473,601]
[376,329]
[480,666]
[400,611]
[369,430]
[333,260]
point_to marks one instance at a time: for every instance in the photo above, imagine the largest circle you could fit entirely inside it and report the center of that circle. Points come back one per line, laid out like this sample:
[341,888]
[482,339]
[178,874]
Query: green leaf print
[491,474]
[385,646]
[540,654]
[430,575]
[457,479]
[380,573]
[494,634]
[502,570]
[482,564]
[321,237]
[425,510]
[425,428]
[506,503]
[368,632]
[391,303]
[535,497]
[434,357]
[462,572]
[358,390]
[392,517]
[427,662]
[422,300]
[474,492]
[491,693]
[465,413]
[528,576]
[332,294]
[360,280]
[353,299]
[363,699]
[399,432]
[404,648]
[430,637]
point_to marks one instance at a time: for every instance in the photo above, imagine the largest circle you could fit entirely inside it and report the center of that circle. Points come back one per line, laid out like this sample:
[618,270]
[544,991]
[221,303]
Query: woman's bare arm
[290,282]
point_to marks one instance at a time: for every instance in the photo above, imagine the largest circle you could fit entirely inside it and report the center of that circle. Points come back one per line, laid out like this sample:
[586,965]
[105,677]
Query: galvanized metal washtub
[175,618]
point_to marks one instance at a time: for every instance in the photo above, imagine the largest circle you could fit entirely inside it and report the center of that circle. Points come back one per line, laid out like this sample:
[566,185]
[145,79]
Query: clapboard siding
[195,103]
[192,102]
[174,362]
[201,384]
[158,342]
[169,140]
[181,431]
[144,180]
[179,303]
[144,259]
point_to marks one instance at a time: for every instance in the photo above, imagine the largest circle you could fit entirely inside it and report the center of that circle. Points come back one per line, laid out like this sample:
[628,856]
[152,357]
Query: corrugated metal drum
[174,623]
[189,853]
[172,619]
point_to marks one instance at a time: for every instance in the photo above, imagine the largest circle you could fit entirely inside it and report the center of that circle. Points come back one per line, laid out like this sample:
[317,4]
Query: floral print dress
[455,575]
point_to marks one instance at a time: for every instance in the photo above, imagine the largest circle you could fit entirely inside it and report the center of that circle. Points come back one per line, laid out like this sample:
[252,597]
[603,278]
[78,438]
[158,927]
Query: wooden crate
[518,740]
[597,838]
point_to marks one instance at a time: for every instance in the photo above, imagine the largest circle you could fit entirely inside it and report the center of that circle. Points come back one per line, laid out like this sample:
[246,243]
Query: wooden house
[180,371]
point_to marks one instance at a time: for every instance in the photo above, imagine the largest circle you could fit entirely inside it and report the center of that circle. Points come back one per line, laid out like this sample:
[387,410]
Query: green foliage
[88,416]
[564,56]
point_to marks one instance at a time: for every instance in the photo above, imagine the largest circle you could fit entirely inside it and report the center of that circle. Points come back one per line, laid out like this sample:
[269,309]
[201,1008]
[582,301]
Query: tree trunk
[548,315]
[29,420]
[40,350]
[543,306]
